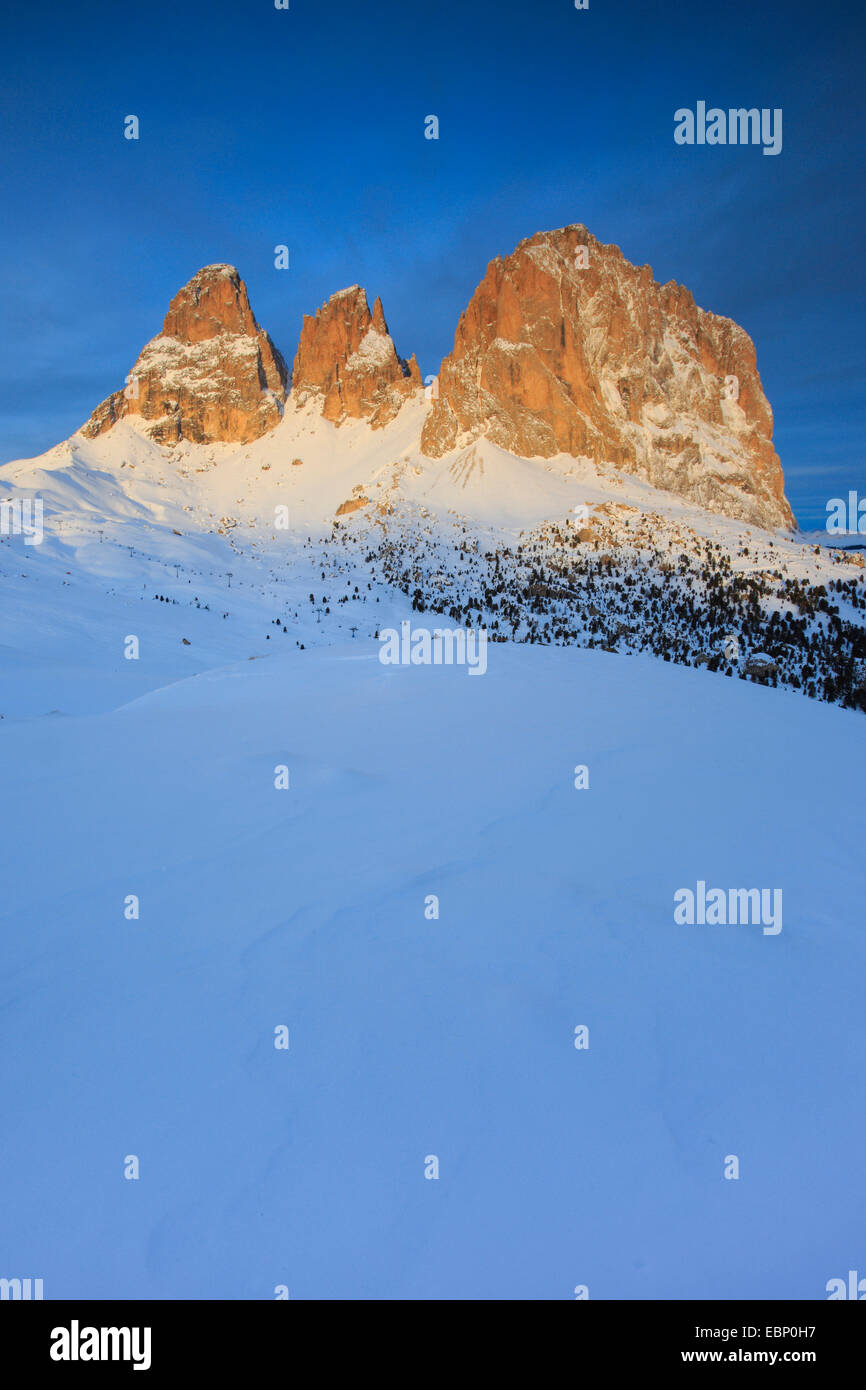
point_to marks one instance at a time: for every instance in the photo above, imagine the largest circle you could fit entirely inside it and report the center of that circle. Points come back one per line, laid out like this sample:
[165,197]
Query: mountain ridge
[212,374]
[565,347]
[568,347]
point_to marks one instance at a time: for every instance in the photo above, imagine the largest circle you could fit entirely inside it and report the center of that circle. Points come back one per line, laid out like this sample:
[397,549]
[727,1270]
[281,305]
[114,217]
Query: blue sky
[305,127]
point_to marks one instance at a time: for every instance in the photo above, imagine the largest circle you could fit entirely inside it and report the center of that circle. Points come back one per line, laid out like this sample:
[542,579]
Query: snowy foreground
[413,1036]
[416,1040]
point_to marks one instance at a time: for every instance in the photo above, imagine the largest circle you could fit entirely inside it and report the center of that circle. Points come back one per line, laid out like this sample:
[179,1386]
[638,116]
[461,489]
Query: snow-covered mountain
[566,347]
[204,463]
[348,365]
[212,373]
[373,970]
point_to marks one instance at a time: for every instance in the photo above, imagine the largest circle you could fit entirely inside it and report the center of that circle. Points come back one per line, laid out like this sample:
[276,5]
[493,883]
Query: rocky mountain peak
[211,374]
[214,301]
[347,362]
[566,347]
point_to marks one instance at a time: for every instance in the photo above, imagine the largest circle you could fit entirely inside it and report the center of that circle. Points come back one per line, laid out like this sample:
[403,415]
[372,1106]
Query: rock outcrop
[567,348]
[347,362]
[211,374]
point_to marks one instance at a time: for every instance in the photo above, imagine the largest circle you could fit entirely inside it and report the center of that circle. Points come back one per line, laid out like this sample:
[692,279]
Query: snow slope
[127,518]
[305,907]
[412,1037]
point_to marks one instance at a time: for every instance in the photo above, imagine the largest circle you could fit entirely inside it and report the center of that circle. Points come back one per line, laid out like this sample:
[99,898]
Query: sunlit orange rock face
[347,363]
[567,348]
[212,374]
